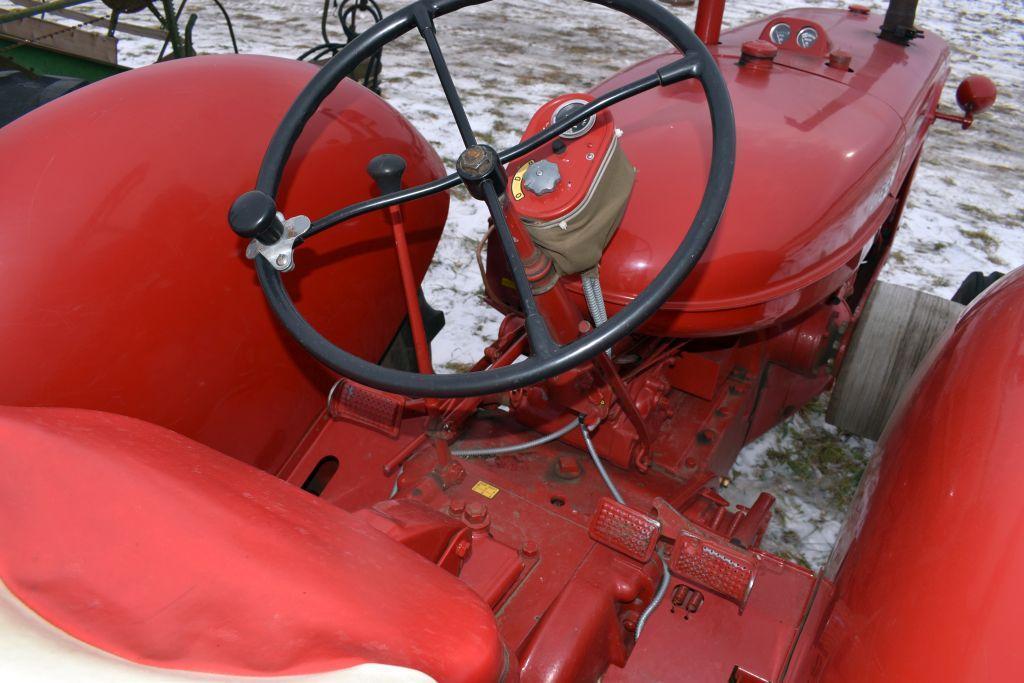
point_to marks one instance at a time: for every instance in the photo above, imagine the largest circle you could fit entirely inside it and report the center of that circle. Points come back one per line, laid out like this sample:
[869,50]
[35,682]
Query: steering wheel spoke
[425,23]
[541,342]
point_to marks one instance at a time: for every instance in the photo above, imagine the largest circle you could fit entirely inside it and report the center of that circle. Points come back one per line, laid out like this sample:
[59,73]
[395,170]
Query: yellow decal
[486,490]
[517,180]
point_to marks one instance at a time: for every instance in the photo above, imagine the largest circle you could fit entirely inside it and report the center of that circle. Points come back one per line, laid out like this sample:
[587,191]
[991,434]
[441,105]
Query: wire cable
[515,448]
[597,463]
[659,595]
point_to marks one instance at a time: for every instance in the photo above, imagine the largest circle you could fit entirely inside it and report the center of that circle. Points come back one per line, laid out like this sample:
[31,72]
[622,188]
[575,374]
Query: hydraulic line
[659,594]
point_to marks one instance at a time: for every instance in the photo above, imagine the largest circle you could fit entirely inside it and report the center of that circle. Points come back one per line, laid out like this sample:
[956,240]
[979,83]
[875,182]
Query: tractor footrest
[719,567]
[624,529]
[363,405]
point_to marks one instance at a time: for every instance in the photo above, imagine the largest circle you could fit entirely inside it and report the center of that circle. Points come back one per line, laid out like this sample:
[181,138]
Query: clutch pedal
[371,408]
[622,528]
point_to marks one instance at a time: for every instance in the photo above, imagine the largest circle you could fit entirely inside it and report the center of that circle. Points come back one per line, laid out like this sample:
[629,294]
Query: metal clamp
[279,254]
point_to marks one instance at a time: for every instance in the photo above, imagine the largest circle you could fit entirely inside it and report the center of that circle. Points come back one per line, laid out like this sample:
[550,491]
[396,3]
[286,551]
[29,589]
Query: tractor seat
[155,549]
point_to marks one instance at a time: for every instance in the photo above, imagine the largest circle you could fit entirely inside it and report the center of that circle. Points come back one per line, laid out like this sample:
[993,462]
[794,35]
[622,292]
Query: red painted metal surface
[566,603]
[925,581]
[976,94]
[153,547]
[846,139]
[755,333]
[708,22]
[129,293]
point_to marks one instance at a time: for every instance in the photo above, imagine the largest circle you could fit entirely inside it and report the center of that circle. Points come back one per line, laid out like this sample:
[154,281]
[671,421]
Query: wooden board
[898,328]
[122,27]
[96,46]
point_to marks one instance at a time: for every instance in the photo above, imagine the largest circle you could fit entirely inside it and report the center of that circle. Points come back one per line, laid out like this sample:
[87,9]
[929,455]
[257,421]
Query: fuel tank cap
[542,177]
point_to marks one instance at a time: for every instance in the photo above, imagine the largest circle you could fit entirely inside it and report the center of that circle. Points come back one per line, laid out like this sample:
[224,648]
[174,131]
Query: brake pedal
[719,567]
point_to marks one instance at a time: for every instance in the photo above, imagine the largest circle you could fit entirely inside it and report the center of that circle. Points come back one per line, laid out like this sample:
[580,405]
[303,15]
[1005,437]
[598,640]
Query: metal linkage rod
[541,342]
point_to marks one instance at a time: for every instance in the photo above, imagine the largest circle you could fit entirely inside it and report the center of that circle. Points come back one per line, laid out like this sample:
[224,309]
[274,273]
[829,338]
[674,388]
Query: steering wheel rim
[697,63]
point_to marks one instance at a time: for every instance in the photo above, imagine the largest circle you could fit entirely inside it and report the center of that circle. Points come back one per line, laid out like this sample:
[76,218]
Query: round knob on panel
[254,216]
[542,177]
[758,54]
[839,59]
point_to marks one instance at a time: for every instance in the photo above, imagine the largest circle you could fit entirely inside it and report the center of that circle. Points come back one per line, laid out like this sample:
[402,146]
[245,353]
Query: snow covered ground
[966,212]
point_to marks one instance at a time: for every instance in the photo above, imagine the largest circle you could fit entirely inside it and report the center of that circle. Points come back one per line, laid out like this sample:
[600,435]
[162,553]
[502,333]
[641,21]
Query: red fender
[927,580]
[126,291]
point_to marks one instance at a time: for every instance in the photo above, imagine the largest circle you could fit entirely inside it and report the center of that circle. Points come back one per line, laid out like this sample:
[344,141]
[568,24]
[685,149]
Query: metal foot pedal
[719,567]
[622,528]
[372,408]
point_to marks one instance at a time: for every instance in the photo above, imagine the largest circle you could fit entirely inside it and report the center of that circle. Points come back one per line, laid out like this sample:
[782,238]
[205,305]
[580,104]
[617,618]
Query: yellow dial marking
[517,181]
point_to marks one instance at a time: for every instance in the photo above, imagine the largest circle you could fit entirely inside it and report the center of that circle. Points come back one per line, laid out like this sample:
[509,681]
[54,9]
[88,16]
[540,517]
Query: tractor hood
[821,154]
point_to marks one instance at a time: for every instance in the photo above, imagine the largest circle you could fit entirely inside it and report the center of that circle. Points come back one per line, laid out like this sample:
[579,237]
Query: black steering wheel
[254,214]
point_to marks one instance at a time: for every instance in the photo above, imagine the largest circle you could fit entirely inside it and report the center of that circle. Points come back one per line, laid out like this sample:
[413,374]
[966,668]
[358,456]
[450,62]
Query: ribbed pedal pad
[722,568]
[372,408]
[622,528]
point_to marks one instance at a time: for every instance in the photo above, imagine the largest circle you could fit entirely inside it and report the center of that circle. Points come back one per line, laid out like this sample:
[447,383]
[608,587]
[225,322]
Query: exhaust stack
[898,26]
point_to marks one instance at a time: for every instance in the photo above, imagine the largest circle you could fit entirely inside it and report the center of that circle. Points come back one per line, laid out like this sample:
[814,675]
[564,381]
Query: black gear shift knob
[254,216]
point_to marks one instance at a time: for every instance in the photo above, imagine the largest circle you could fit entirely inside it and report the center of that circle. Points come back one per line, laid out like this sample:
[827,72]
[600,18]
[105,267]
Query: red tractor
[204,482]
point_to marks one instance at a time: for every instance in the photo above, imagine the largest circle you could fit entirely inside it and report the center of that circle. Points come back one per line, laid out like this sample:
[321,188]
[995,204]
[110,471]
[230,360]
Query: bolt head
[476,160]
[568,467]
[476,512]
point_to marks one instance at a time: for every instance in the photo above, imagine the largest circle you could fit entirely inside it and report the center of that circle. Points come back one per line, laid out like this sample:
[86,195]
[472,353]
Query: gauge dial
[807,37]
[780,33]
[567,110]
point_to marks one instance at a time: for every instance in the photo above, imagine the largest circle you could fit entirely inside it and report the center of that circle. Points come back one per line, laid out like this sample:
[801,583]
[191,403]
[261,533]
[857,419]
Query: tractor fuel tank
[821,154]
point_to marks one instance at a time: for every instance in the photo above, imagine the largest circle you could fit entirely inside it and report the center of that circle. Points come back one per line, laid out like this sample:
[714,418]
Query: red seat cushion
[153,547]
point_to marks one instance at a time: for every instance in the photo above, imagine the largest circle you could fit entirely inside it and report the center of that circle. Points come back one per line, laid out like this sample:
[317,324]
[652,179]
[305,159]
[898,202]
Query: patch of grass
[931,247]
[979,213]
[820,458]
[792,556]
[458,366]
[982,238]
